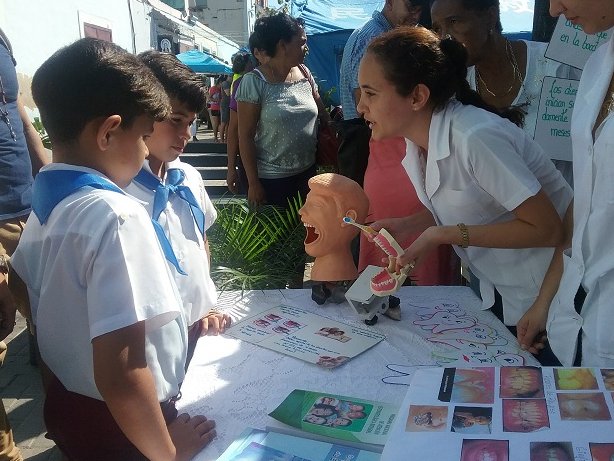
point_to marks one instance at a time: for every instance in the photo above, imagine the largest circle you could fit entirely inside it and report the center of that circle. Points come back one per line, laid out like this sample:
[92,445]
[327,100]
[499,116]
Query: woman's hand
[417,251]
[232,180]
[531,328]
[256,195]
[399,228]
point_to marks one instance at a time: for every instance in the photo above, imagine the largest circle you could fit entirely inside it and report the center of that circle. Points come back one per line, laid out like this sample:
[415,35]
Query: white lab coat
[590,261]
[479,168]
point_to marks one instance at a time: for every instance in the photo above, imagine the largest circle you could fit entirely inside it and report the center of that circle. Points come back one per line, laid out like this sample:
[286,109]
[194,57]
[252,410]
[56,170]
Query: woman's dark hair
[239,62]
[413,55]
[481,6]
[270,29]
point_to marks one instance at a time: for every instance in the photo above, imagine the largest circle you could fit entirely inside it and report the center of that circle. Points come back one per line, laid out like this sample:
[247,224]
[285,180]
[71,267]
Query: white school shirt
[591,259]
[479,168]
[94,267]
[197,290]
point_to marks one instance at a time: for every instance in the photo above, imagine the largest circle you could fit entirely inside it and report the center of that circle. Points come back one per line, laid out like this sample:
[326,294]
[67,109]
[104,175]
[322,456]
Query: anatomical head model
[331,198]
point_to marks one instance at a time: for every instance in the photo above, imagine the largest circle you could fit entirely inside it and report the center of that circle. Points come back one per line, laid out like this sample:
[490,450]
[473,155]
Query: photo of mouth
[521,382]
[589,406]
[551,451]
[602,451]
[575,379]
[484,449]
[525,415]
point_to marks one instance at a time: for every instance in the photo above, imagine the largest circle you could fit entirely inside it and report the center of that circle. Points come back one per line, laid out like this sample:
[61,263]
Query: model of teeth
[386,281]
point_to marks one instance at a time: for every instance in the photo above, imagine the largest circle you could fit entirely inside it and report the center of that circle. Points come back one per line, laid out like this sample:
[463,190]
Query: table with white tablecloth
[237,383]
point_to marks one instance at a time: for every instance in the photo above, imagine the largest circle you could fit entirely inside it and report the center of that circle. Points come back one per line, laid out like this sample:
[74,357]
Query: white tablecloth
[237,383]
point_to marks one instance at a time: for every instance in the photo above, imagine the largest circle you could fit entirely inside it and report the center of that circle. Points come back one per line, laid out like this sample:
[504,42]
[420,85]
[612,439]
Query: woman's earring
[447,37]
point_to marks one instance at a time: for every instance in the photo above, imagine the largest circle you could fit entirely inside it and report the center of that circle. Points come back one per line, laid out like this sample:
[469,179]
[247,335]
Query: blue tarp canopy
[329,23]
[203,63]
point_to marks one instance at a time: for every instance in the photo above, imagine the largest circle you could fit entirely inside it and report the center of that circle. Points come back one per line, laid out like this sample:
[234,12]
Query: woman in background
[506,73]
[278,109]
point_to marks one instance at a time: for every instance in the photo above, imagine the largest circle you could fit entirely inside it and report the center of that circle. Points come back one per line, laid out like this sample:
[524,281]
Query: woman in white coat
[492,192]
[588,266]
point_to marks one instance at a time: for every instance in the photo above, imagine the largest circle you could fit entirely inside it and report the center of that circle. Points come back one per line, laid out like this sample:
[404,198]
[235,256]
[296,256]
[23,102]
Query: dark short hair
[240,61]
[92,78]
[179,81]
[480,6]
[270,29]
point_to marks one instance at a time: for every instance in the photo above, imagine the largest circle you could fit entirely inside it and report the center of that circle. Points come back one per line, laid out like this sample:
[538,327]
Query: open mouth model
[312,234]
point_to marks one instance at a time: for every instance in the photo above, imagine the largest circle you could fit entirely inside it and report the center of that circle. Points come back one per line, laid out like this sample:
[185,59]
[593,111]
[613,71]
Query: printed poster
[526,413]
[338,417]
[301,334]
[257,445]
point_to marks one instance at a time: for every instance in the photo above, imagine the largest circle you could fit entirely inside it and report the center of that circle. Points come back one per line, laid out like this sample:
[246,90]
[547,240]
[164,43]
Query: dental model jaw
[386,281]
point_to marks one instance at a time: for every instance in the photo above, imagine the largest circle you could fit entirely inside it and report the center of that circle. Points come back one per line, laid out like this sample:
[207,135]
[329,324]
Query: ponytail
[413,55]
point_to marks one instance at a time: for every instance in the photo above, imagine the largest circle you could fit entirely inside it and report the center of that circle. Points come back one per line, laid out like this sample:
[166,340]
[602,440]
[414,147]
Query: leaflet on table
[310,337]
[336,416]
[257,445]
[509,413]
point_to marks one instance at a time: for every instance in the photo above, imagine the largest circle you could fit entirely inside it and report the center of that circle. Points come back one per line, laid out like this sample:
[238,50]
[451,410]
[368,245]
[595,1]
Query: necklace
[275,75]
[516,75]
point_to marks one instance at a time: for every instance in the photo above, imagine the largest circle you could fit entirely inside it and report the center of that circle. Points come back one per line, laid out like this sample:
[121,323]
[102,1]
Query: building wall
[230,18]
[38,28]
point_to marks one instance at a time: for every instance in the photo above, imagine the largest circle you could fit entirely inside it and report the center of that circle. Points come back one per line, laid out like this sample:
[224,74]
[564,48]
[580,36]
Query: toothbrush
[362,227]
[382,239]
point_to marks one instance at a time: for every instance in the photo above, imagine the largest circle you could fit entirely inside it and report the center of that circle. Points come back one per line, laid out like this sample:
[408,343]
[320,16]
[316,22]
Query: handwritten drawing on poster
[570,45]
[553,126]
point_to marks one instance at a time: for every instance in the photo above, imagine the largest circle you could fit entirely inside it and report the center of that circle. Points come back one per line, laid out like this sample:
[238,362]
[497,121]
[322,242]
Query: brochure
[337,417]
[310,337]
[258,445]
[508,413]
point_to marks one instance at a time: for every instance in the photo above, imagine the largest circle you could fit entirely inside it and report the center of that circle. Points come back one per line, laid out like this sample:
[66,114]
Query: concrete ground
[22,395]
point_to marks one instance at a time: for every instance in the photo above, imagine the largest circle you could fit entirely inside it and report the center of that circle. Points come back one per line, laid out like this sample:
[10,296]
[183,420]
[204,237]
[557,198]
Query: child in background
[107,313]
[174,195]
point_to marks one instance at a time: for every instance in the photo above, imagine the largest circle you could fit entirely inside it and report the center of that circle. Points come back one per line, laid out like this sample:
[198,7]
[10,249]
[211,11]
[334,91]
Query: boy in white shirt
[174,195]
[108,316]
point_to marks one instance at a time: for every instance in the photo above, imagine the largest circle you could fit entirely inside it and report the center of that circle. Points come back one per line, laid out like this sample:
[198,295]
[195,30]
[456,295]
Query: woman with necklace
[504,72]
[278,109]
[492,192]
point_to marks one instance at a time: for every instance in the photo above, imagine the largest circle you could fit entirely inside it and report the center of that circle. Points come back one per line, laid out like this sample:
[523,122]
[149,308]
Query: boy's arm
[127,386]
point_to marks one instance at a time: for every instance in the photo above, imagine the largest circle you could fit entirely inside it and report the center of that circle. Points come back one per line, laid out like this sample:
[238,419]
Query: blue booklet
[258,445]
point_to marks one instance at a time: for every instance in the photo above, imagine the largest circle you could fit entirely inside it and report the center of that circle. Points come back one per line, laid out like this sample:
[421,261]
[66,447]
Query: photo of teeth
[522,415]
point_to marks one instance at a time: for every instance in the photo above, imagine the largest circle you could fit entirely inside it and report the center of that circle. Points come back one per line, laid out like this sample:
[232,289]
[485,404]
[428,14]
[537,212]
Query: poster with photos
[509,413]
[307,336]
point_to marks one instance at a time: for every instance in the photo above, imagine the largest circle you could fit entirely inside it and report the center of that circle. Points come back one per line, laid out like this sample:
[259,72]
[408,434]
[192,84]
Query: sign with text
[570,45]
[552,130]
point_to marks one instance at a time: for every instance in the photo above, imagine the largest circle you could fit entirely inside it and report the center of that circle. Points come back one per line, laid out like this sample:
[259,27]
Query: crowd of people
[122,286]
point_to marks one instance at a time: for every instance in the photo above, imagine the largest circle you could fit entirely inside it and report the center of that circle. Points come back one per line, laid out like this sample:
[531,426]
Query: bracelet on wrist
[464,235]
